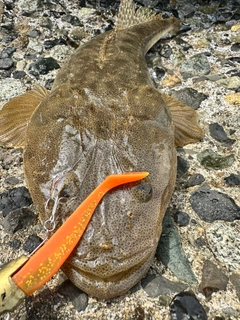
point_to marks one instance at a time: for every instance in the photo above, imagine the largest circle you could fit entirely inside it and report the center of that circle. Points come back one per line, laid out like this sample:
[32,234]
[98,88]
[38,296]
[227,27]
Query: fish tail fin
[129,16]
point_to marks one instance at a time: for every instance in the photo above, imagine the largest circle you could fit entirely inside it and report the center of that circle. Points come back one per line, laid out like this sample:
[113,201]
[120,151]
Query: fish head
[71,155]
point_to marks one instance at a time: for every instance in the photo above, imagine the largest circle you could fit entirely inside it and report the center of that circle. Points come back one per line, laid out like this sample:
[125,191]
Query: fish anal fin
[187,129]
[15,115]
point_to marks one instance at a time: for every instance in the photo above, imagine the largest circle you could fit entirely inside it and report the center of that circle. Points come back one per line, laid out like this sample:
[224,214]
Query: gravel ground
[215,37]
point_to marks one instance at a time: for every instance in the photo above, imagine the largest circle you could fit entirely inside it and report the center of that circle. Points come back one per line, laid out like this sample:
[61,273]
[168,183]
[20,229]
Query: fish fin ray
[15,115]
[129,16]
[187,129]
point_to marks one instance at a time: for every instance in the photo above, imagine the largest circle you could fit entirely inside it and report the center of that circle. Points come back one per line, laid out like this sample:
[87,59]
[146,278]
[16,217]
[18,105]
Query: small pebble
[166,51]
[160,72]
[48,44]
[233,180]
[31,243]
[213,279]
[170,81]
[232,83]
[27,7]
[11,180]
[18,219]
[235,47]
[236,27]
[139,314]
[195,180]
[200,242]
[44,65]
[34,33]
[189,96]
[78,298]
[46,22]
[19,74]
[235,279]
[73,20]
[15,244]
[6,63]
[231,313]
[234,59]
[217,132]
[182,166]
[185,306]
[181,218]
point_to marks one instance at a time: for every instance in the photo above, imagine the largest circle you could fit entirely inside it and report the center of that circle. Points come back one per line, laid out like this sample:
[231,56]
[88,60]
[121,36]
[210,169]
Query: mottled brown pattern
[104,116]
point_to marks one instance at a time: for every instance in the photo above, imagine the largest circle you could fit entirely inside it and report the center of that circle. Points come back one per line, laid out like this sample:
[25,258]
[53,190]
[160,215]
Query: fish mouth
[108,286]
[113,278]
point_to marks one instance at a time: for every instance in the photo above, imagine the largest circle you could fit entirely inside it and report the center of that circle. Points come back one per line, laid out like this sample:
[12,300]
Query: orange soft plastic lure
[47,260]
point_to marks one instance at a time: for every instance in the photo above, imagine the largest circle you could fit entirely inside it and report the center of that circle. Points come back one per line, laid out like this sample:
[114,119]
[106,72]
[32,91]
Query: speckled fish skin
[104,116]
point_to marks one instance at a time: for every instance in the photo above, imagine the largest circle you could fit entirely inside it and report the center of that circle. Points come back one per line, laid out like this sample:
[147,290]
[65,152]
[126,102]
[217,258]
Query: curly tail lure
[23,276]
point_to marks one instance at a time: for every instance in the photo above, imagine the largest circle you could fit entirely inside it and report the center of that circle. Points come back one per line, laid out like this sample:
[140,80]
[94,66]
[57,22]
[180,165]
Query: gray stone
[14,199]
[78,298]
[232,83]
[212,160]
[235,279]
[181,218]
[196,65]
[233,180]
[32,242]
[235,47]
[213,279]
[218,133]
[185,306]
[18,219]
[11,180]
[171,254]
[156,285]
[211,205]
[224,241]
[189,96]
[6,63]
[195,180]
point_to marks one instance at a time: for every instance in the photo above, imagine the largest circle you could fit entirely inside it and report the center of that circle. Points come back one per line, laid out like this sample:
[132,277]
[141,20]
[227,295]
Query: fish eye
[67,191]
[143,192]
[70,186]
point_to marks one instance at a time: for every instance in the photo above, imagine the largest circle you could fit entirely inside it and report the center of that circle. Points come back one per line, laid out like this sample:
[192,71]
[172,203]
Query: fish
[104,116]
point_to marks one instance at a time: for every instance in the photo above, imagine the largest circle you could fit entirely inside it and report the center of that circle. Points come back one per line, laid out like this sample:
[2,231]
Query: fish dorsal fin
[15,116]
[129,16]
[187,129]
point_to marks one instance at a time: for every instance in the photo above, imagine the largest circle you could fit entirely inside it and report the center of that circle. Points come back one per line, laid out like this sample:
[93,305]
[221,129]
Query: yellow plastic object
[10,294]
[47,260]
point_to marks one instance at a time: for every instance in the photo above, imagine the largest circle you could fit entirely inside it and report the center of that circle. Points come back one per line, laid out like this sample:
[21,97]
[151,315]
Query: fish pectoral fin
[187,129]
[15,116]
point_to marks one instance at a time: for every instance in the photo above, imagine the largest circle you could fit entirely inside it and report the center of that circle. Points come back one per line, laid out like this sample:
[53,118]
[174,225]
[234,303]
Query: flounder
[104,116]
